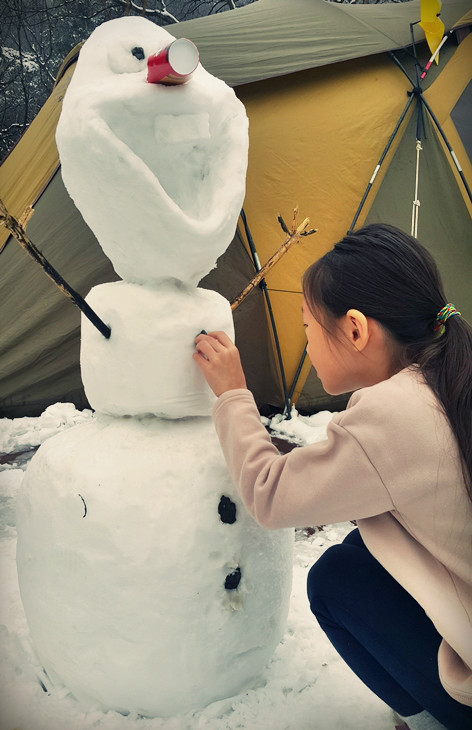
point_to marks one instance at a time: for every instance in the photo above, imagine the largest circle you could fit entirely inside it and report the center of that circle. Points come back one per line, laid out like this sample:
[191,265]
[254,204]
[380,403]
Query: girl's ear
[356,328]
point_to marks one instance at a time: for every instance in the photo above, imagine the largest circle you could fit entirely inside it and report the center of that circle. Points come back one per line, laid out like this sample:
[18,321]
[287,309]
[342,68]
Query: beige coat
[390,462]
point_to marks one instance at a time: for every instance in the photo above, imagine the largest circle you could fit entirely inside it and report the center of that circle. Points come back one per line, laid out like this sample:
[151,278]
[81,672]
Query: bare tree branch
[142,8]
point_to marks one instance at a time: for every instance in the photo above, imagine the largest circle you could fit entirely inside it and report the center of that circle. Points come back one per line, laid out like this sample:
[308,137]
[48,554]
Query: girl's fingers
[222,338]
[213,342]
[216,338]
[205,348]
[218,359]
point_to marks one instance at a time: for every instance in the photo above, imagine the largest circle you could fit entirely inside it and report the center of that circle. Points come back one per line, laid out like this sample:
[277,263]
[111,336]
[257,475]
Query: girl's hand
[218,359]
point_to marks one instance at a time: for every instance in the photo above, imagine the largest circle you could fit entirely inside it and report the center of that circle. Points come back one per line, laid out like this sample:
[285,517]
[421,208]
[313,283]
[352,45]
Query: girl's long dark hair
[389,276]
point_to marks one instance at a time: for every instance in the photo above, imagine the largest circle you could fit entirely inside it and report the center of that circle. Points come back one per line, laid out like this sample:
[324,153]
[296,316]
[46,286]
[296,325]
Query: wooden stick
[294,236]
[25,217]
[18,232]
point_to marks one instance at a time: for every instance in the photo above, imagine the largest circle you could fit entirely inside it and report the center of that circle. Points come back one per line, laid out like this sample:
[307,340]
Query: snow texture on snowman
[147,587]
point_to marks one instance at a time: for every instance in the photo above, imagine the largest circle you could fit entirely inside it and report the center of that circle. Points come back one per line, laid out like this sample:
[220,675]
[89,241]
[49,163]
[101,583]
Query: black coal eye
[232,579]
[227,510]
[138,53]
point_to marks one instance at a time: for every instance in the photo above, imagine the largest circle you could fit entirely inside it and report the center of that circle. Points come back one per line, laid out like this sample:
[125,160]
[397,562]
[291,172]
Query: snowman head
[157,171]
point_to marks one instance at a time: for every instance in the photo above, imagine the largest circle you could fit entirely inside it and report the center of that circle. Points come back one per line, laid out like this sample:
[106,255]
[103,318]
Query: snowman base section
[146,585]
[146,366]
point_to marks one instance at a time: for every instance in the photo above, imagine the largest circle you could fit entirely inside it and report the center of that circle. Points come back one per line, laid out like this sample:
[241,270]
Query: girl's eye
[138,53]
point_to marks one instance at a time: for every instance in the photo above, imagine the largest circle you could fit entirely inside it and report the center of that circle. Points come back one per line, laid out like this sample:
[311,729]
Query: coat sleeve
[323,483]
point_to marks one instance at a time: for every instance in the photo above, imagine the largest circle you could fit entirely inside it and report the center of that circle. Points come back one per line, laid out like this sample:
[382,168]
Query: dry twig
[294,236]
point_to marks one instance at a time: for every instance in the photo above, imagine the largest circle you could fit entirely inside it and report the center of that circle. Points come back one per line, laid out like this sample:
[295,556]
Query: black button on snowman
[146,585]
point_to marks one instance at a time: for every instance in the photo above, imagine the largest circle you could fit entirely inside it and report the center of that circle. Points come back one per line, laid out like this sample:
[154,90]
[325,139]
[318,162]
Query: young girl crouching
[395,598]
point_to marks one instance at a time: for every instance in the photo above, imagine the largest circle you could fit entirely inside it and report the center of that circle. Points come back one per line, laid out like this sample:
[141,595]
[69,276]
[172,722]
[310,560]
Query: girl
[395,598]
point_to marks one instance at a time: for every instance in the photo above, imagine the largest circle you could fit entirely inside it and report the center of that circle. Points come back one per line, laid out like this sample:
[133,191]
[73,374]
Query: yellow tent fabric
[316,135]
[35,160]
[301,156]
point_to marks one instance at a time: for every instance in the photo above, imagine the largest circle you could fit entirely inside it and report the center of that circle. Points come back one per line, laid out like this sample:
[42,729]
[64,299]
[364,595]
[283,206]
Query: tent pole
[263,286]
[446,142]
[417,88]
[401,67]
[417,91]
[18,232]
[297,374]
[382,157]
[428,65]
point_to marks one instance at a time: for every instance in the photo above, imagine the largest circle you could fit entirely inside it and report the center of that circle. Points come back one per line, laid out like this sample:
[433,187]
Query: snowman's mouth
[182,152]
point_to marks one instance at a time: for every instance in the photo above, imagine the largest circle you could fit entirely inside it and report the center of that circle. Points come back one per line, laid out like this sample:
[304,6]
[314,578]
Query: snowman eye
[125,60]
[227,510]
[138,53]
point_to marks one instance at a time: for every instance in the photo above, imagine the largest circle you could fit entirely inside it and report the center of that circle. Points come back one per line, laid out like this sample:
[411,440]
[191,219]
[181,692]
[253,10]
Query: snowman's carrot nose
[174,64]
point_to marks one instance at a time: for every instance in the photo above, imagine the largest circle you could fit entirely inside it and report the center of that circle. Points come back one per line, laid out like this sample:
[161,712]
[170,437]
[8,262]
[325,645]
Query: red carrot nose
[174,64]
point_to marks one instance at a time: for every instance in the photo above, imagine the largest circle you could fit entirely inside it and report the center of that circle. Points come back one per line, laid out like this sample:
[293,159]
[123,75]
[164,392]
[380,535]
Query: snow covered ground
[306,685]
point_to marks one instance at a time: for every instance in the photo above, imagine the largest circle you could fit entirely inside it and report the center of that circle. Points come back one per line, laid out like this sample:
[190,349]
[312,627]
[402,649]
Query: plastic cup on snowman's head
[174,64]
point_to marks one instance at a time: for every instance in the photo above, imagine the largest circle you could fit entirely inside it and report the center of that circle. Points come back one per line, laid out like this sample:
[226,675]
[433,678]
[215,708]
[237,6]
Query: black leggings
[381,632]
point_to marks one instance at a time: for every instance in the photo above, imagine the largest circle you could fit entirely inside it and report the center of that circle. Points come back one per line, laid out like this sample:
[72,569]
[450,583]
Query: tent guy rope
[416,202]
[18,232]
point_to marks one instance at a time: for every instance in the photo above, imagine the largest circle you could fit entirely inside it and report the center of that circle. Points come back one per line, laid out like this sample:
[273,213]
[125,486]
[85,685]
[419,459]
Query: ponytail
[389,276]
[447,368]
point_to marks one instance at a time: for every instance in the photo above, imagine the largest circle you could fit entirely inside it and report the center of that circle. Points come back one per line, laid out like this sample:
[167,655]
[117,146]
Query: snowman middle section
[146,366]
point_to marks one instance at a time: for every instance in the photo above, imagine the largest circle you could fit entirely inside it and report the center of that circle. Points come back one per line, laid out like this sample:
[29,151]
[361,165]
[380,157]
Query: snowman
[146,586]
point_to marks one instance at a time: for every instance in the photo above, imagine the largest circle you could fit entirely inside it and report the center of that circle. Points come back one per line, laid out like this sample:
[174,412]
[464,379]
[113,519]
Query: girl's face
[332,359]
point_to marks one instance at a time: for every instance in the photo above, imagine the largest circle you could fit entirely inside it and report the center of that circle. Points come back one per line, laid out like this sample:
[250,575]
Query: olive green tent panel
[272,38]
[445,217]
[460,117]
[315,138]
[448,236]
[40,331]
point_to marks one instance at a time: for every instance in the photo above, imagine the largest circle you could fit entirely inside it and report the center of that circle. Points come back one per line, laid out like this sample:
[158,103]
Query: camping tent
[323,95]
